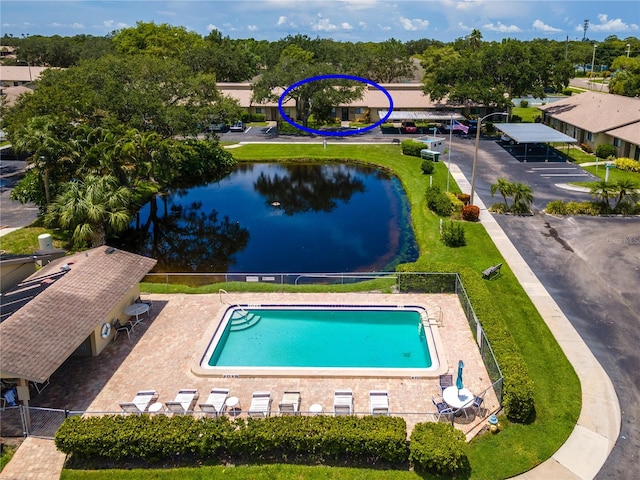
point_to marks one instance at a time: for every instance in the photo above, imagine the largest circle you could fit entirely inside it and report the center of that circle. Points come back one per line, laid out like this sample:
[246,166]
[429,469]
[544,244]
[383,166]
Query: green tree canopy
[297,64]
[148,38]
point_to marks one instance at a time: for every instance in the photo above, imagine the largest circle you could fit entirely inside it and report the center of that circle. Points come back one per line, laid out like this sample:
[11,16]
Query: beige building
[595,118]
[407,97]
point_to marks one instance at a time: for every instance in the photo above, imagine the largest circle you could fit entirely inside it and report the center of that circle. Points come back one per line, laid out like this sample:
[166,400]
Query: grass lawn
[515,449]
[528,114]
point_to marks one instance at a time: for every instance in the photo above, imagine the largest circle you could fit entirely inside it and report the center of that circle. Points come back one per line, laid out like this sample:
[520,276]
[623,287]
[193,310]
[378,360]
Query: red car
[409,127]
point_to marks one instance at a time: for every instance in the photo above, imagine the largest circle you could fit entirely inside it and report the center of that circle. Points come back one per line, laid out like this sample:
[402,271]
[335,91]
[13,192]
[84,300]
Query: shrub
[586,148]
[453,234]
[437,447]
[427,167]
[605,150]
[470,213]
[438,202]
[456,204]
[464,197]
[515,119]
[628,164]
[557,207]
[567,92]
[524,103]
[412,148]
[500,207]
[253,117]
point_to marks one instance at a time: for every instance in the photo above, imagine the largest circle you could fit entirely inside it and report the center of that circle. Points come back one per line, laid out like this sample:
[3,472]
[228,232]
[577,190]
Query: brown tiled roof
[595,112]
[40,336]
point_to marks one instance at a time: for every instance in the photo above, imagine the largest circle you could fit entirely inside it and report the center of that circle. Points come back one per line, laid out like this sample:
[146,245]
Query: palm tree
[505,187]
[604,190]
[91,208]
[522,197]
[40,138]
[626,189]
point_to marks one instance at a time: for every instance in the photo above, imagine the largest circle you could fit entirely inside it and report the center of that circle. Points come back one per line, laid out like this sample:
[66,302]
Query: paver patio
[163,349]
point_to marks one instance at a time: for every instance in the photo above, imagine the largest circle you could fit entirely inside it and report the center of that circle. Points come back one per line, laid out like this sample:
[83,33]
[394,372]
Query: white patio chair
[216,402]
[290,404]
[343,402]
[183,403]
[260,404]
[379,402]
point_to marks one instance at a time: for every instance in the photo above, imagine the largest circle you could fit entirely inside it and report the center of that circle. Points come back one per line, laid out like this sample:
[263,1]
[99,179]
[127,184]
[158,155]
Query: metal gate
[23,421]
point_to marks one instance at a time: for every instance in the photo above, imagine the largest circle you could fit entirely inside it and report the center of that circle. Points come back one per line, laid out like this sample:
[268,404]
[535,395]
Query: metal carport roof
[533,133]
[398,115]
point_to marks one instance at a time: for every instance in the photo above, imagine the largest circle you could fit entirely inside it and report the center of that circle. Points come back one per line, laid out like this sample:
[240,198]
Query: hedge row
[628,164]
[558,207]
[412,148]
[517,391]
[114,438]
[437,447]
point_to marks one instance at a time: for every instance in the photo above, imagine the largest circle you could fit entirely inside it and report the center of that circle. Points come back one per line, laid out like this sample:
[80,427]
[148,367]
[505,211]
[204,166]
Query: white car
[237,127]
[504,138]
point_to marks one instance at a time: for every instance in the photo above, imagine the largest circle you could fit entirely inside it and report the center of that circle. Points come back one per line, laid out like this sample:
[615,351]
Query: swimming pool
[322,340]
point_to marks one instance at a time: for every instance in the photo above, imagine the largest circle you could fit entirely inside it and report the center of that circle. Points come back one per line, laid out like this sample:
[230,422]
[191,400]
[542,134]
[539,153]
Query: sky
[342,20]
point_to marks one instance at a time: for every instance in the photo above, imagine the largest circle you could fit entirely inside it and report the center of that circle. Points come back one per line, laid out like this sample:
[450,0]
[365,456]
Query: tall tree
[310,98]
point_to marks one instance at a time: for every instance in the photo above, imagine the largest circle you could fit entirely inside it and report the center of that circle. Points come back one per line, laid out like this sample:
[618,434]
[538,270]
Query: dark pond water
[274,218]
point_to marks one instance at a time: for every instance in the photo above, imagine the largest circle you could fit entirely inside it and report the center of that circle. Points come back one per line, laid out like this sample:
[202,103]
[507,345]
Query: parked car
[504,138]
[409,127]
[218,127]
[237,127]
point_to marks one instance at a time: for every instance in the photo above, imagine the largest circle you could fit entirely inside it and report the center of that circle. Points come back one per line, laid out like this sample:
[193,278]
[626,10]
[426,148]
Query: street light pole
[628,49]
[449,162]
[593,60]
[475,155]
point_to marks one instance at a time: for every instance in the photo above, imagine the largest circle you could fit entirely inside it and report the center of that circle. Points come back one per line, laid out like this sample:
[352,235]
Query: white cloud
[359,4]
[282,20]
[113,25]
[414,24]
[362,24]
[384,28]
[502,28]
[252,28]
[211,27]
[613,25]
[77,26]
[540,26]
[346,26]
[324,25]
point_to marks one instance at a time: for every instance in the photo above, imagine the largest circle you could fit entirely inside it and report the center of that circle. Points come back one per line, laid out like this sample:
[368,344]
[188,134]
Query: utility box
[435,144]
[432,155]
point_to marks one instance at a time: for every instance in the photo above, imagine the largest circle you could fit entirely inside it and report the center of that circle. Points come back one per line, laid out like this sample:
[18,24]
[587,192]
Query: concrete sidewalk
[596,432]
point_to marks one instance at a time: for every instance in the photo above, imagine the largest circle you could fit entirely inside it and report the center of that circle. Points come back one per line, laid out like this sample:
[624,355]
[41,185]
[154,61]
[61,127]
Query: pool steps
[241,320]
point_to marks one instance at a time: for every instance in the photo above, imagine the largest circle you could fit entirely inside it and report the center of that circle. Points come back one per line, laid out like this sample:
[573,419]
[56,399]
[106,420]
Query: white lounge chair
[290,404]
[216,402]
[379,402]
[260,404]
[343,402]
[183,403]
[140,402]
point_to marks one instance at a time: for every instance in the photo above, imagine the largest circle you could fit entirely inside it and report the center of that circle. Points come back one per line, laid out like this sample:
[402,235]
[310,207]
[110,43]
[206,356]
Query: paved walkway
[582,455]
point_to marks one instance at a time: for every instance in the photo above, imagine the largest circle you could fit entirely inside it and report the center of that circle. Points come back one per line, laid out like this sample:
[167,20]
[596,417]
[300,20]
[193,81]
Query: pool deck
[162,351]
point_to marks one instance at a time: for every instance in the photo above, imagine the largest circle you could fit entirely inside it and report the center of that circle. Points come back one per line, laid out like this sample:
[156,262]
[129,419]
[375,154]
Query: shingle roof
[595,112]
[40,336]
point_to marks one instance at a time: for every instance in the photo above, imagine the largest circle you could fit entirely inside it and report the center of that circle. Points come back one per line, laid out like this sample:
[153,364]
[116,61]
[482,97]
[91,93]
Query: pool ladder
[432,316]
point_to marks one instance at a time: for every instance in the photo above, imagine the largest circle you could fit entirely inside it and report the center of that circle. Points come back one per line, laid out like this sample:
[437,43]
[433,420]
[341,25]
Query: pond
[279,217]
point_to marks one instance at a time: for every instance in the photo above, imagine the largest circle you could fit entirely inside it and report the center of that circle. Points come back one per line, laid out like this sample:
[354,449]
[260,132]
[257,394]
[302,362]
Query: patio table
[137,309]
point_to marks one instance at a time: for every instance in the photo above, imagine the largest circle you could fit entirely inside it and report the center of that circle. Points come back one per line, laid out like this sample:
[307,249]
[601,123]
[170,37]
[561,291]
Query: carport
[534,133]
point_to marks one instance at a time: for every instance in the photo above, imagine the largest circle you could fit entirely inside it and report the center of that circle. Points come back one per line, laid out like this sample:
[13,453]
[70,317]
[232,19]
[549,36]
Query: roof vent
[109,250]
[65,267]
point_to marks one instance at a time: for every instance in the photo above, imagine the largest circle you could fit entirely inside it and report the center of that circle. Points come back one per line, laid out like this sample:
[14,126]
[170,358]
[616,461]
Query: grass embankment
[515,449]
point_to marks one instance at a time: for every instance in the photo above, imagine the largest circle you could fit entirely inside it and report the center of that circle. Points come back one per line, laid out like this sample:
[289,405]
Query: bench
[491,271]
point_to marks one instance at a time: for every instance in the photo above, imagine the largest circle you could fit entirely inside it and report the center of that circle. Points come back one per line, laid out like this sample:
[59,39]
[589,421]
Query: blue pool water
[320,337]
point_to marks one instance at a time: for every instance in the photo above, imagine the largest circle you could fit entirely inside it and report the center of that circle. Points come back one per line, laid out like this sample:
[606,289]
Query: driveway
[591,268]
